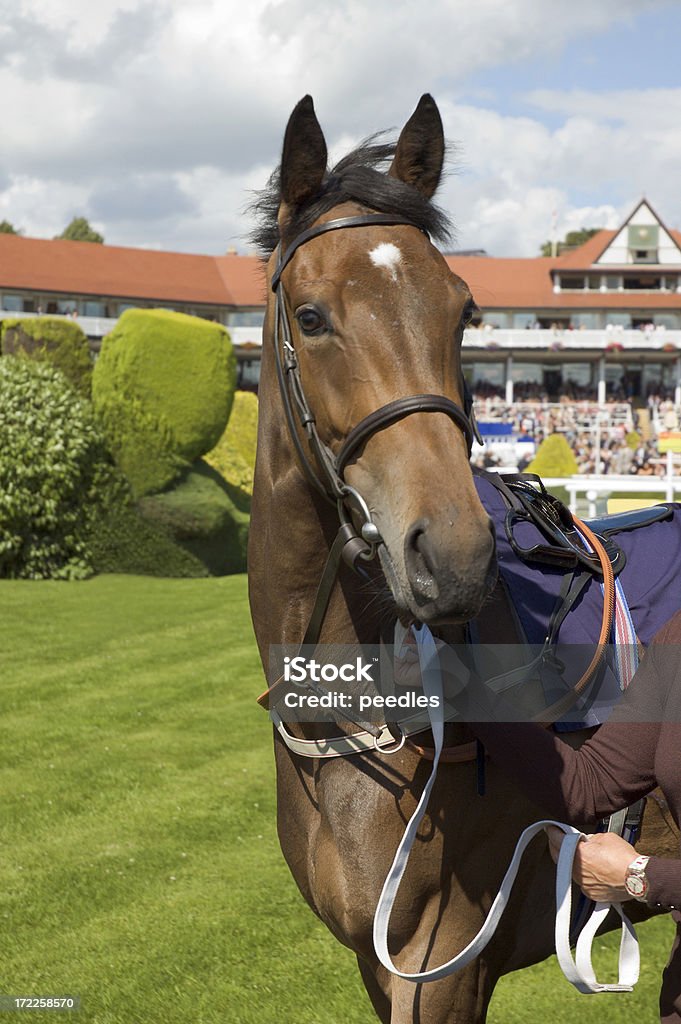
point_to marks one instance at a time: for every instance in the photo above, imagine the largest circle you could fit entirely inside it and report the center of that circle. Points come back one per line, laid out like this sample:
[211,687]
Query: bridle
[329,481]
[327,476]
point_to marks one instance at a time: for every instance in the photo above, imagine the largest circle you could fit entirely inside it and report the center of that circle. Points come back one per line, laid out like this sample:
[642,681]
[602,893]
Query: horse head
[373,316]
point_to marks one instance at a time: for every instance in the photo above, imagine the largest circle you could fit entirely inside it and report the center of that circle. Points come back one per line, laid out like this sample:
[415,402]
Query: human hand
[600,864]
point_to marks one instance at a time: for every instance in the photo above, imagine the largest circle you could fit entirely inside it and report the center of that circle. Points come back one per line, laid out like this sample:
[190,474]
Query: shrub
[234,454]
[53,469]
[554,458]
[53,340]
[201,515]
[163,388]
[123,541]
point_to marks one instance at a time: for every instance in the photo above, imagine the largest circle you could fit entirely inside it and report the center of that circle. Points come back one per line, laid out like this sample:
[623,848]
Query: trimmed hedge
[234,454]
[54,468]
[53,340]
[123,541]
[554,458]
[201,515]
[163,388]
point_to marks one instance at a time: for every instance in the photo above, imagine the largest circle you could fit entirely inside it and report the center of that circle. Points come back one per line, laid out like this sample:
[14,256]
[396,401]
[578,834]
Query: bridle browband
[359,221]
[327,479]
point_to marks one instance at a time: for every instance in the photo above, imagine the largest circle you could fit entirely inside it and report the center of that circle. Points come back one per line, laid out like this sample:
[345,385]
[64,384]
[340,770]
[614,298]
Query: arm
[612,769]
[615,767]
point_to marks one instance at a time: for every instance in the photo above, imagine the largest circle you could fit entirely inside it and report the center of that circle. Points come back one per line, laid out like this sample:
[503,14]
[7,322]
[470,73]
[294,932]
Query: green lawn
[139,865]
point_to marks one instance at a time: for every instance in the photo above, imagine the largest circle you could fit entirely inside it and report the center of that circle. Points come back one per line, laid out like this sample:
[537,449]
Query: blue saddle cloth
[651,580]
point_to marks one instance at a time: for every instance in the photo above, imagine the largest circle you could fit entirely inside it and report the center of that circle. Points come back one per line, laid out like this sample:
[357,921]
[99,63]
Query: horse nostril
[421,562]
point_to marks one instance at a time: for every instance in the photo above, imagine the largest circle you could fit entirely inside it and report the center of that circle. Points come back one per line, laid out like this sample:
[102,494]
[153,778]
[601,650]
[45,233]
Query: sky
[156,119]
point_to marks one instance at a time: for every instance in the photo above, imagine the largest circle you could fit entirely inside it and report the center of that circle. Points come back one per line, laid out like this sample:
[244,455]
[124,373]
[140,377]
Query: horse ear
[420,151]
[303,160]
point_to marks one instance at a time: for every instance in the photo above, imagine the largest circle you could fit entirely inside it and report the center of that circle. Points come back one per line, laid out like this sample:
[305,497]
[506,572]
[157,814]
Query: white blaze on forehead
[386,255]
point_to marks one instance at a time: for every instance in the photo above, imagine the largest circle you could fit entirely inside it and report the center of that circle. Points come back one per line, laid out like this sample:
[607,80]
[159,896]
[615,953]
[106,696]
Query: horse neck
[292,529]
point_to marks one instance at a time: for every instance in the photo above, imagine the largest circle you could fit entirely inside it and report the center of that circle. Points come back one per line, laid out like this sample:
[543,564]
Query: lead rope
[579,970]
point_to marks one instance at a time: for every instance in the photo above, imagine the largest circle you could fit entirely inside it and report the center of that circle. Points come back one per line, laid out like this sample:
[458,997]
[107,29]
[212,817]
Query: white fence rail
[572,341]
[596,489]
[657,339]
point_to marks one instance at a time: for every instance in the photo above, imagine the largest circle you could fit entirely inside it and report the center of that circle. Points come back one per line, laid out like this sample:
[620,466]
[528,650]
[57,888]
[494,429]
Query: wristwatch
[635,881]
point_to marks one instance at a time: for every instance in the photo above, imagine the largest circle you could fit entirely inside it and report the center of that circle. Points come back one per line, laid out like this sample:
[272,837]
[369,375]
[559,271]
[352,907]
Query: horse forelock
[360,177]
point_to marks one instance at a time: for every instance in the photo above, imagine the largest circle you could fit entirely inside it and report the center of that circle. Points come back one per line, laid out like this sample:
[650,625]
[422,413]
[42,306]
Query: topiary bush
[163,388]
[54,469]
[121,540]
[234,454]
[53,340]
[554,458]
[200,514]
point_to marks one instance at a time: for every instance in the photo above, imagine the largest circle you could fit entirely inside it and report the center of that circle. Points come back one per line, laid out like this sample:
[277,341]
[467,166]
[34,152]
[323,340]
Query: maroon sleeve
[614,768]
[664,879]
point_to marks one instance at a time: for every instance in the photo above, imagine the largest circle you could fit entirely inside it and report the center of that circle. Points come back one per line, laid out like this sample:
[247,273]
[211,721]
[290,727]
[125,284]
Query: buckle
[564,553]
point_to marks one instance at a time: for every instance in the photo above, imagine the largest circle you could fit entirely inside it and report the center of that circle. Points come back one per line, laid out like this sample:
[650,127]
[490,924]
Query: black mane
[360,177]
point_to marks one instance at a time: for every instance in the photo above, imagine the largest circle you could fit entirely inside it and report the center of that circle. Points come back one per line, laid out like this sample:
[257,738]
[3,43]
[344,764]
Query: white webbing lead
[580,971]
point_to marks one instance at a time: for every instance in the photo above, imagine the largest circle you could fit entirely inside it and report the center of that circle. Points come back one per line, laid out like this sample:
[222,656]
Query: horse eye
[468,314]
[311,321]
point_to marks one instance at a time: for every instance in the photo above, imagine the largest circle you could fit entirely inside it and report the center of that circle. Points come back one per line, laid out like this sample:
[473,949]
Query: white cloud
[654,109]
[82,21]
[42,207]
[108,99]
[517,173]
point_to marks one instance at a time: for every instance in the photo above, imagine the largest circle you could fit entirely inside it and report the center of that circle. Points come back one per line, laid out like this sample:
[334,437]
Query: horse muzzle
[444,573]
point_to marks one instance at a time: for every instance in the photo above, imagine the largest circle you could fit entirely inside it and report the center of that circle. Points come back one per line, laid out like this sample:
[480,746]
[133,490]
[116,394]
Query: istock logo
[300,670]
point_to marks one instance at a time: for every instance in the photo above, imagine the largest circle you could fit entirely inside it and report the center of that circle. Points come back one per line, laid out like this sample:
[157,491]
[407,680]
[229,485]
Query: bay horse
[362,396]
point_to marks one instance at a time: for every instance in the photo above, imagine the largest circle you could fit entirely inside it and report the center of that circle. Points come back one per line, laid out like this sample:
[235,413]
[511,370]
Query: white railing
[606,339]
[597,488]
[491,338]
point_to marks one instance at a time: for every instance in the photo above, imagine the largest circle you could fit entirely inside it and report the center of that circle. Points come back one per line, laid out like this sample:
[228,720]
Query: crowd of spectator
[604,439]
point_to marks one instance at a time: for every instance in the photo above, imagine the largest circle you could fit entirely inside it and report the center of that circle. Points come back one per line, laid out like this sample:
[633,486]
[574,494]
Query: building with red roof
[604,317]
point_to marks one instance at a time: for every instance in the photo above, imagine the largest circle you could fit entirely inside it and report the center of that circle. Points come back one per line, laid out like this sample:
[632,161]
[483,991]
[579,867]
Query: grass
[139,865]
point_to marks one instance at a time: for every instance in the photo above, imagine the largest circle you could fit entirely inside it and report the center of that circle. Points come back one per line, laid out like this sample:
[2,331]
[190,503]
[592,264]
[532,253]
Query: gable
[642,239]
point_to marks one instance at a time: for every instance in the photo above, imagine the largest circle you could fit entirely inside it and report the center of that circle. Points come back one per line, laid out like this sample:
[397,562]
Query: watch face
[635,885]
